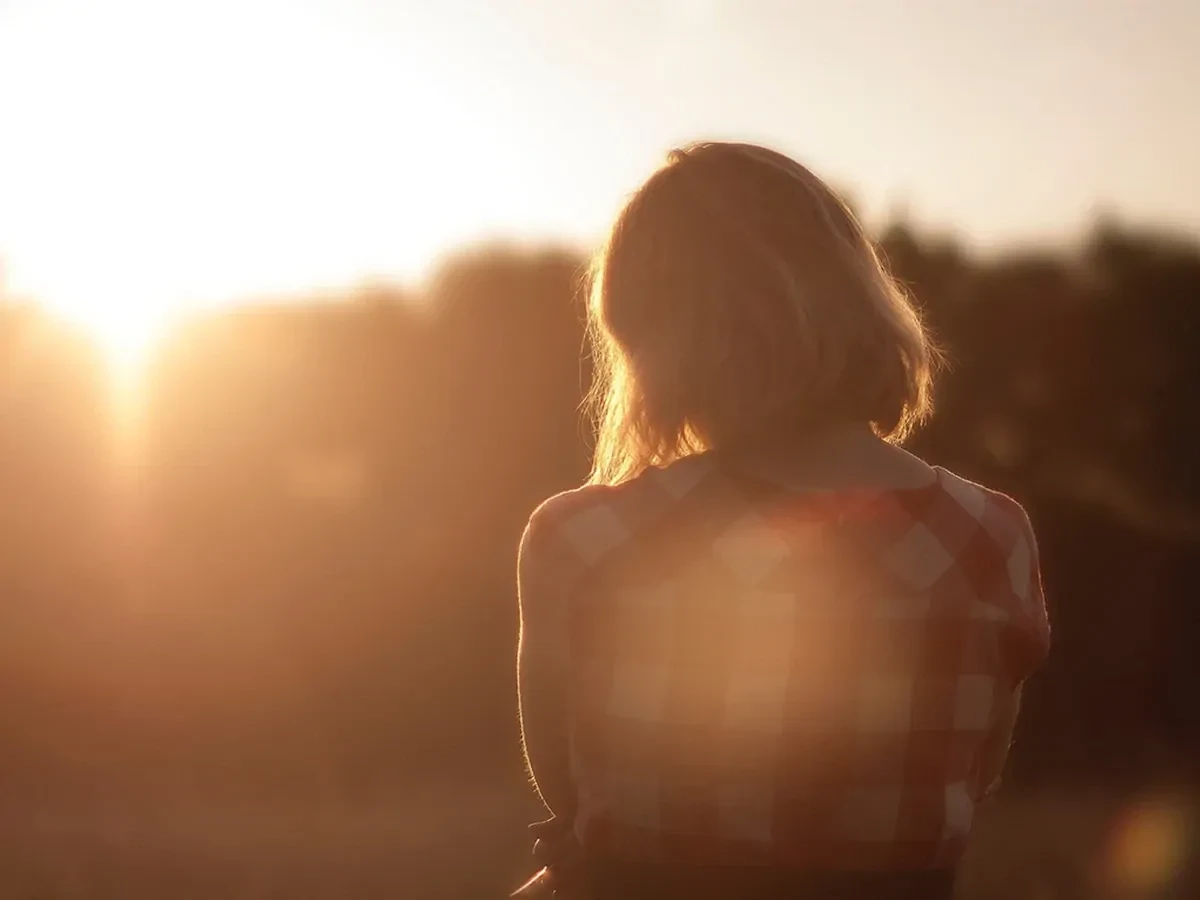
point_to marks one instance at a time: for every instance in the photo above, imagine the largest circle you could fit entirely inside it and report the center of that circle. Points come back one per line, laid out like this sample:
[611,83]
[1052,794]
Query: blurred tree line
[294,571]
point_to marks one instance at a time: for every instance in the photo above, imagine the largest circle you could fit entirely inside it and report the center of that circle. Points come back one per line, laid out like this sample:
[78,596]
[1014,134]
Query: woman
[765,652]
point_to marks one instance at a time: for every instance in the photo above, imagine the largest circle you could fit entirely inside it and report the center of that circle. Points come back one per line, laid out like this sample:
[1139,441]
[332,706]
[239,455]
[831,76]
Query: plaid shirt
[765,674]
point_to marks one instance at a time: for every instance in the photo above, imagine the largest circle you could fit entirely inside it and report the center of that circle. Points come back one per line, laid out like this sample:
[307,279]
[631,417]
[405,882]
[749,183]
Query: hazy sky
[176,152]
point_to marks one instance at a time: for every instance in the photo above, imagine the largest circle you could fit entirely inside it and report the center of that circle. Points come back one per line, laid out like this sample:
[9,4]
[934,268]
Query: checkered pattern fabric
[765,674]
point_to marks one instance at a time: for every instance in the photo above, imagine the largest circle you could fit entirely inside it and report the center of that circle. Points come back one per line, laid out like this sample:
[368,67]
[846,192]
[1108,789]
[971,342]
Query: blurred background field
[270,641]
[257,547]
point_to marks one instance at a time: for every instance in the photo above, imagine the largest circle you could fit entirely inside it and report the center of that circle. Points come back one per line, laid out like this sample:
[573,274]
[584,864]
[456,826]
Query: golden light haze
[160,156]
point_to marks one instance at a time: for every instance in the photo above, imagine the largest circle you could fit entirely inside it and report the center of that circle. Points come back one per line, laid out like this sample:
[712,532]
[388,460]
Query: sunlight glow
[162,157]
[125,334]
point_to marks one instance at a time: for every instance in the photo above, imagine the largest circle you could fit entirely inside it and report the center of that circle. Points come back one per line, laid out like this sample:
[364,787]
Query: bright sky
[160,153]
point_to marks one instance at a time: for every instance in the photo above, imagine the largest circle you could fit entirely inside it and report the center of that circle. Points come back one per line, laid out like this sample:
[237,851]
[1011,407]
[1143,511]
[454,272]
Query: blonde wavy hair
[738,301]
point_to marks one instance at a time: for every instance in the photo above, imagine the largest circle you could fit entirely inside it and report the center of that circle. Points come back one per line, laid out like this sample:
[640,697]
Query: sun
[316,154]
[124,333]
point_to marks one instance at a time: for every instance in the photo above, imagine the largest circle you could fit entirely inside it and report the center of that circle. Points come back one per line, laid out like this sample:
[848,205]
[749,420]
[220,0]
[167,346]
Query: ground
[461,842]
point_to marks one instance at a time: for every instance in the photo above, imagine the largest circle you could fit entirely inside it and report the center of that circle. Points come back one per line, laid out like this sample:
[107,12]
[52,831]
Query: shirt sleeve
[542,659]
[1025,638]
[542,582]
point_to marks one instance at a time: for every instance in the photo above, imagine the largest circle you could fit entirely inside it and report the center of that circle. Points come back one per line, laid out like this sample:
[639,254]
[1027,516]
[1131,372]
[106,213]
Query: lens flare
[1149,845]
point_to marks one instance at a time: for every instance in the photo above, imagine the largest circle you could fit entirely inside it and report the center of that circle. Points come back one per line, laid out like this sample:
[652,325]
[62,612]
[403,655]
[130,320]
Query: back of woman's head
[738,301]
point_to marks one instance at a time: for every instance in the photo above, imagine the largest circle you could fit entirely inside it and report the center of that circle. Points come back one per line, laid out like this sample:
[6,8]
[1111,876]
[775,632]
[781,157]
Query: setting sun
[124,334]
[165,158]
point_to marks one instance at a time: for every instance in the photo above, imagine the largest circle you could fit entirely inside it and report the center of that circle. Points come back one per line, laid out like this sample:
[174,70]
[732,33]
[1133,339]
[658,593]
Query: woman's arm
[541,675]
[1024,646]
[994,752]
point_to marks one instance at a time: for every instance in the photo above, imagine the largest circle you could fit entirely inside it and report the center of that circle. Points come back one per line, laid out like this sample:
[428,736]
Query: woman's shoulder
[596,518]
[564,510]
[1000,514]
[1016,598]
